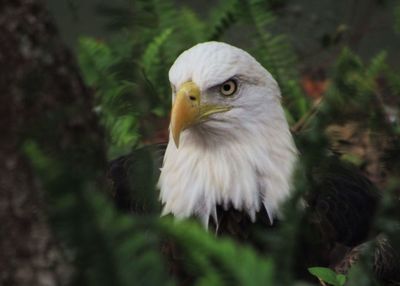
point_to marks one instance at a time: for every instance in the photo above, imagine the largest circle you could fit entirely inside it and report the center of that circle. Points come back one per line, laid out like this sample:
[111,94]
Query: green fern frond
[188,29]
[219,260]
[151,56]
[224,16]
[377,65]
[94,58]
[154,66]
[97,61]
[194,27]
[275,53]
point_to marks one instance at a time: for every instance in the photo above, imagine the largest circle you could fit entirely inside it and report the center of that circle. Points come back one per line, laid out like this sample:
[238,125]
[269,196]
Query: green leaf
[150,56]
[341,279]
[325,274]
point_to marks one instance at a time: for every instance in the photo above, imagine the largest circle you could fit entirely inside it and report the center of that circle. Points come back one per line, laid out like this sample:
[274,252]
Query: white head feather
[243,157]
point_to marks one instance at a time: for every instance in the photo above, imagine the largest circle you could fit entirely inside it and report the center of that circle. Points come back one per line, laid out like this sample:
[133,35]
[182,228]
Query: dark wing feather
[343,202]
[134,176]
[342,205]
[387,262]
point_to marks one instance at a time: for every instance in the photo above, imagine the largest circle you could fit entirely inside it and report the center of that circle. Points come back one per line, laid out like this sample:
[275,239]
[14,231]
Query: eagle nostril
[192,98]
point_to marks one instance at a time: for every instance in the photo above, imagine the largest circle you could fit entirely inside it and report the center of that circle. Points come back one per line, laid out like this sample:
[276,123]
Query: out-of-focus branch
[303,122]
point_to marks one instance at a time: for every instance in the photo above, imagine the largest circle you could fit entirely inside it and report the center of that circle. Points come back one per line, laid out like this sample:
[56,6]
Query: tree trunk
[42,98]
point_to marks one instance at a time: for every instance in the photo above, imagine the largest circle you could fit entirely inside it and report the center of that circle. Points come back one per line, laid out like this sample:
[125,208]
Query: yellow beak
[187,109]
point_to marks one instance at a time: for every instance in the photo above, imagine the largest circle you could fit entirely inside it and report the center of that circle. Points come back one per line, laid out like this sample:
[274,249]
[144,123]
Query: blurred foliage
[129,75]
[397,18]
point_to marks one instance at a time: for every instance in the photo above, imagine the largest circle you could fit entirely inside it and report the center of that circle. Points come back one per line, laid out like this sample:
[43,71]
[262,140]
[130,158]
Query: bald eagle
[231,156]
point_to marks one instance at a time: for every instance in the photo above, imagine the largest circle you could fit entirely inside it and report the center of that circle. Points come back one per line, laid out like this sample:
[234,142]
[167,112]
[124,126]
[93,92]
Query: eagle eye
[228,88]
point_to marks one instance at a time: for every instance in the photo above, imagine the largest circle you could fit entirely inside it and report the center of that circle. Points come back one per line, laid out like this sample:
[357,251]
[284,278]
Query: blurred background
[366,26]
[86,82]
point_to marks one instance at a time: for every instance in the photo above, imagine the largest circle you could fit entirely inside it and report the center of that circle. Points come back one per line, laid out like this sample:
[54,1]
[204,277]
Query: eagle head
[230,144]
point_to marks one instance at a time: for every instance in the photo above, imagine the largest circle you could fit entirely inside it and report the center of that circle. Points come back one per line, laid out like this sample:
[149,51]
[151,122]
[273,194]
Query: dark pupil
[227,87]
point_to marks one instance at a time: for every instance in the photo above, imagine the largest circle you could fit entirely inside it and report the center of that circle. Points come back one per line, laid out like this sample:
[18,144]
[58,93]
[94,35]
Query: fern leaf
[222,18]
